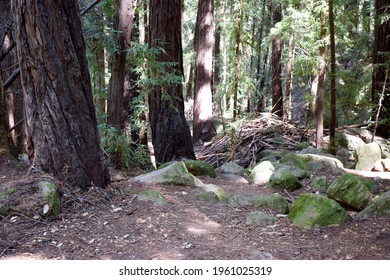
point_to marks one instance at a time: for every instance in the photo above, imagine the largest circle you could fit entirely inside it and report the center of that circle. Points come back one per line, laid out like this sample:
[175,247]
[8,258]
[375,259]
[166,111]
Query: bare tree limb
[11,79]
[93,4]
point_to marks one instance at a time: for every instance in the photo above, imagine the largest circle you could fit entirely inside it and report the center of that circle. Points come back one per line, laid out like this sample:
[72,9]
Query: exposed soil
[113,224]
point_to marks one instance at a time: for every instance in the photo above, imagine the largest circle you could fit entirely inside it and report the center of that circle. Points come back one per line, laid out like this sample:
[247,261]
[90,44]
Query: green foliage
[122,152]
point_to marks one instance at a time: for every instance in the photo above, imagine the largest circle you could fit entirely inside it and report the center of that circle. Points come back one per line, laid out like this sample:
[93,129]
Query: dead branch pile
[244,144]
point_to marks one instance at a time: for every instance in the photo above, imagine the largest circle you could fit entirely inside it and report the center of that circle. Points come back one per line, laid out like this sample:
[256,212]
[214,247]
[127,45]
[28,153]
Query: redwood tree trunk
[203,128]
[277,92]
[123,23]
[332,121]
[60,114]
[171,135]
[381,62]
[320,103]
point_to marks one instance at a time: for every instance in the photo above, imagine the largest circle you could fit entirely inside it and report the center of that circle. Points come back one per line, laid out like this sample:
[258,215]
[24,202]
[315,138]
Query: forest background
[154,65]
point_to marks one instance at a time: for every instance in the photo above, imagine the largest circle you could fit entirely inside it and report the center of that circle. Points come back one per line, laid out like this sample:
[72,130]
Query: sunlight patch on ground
[205,228]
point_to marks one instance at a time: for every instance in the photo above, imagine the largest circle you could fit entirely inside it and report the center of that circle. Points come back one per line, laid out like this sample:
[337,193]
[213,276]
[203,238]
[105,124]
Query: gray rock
[285,178]
[351,190]
[319,183]
[274,202]
[262,172]
[154,196]
[173,174]
[314,210]
[231,168]
[321,160]
[366,156]
[258,218]
[379,207]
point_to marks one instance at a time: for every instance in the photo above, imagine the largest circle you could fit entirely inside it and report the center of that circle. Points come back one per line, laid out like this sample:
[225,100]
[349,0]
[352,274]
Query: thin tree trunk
[277,93]
[320,103]
[311,111]
[217,57]
[57,92]
[332,121]
[289,70]
[171,136]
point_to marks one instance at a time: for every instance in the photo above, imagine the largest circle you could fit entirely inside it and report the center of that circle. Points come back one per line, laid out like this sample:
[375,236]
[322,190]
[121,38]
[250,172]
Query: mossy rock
[319,183]
[200,168]
[231,167]
[295,161]
[319,160]
[258,218]
[215,190]
[274,202]
[379,207]
[351,190]
[284,178]
[30,197]
[50,193]
[314,210]
[173,174]
[154,196]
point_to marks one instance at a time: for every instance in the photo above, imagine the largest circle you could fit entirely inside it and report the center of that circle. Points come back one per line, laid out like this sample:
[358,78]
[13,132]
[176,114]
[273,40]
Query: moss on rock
[311,210]
[351,190]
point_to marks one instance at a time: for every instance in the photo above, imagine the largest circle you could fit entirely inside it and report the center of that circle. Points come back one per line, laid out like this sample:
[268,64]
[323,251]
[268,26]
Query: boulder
[366,155]
[275,202]
[215,191]
[351,190]
[154,196]
[30,197]
[379,207]
[200,168]
[258,218]
[231,167]
[285,177]
[173,174]
[319,183]
[314,210]
[320,160]
[262,172]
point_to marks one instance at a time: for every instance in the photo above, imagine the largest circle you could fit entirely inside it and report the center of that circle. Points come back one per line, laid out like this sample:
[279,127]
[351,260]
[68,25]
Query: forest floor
[112,224]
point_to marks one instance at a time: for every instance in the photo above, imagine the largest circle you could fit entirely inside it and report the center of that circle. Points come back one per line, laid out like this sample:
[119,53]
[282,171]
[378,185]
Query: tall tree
[217,55]
[320,102]
[381,62]
[171,135]
[277,91]
[123,23]
[332,121]
[203,128]
[60,115]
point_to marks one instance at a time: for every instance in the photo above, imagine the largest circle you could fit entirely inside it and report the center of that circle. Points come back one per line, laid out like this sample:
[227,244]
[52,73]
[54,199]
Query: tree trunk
[60,113]
[381,62]
[277,92]
[320,103]
[332,121]
[237,56]
[171,135]
[289,70]
[123,23]
[203,128]
[217,56]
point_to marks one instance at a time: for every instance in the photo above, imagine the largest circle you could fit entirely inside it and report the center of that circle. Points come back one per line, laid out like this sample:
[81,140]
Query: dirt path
[114,224]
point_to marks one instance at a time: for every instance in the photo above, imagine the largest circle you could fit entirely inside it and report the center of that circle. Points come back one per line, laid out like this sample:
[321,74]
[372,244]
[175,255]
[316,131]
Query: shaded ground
[113,224]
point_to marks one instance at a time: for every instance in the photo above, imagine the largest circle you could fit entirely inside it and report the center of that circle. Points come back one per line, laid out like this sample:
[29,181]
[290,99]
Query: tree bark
[203,128]
[332,121]
[60,113]
[217,56]
[277,92]
[381,63]
[171,136]
[289,70]
[123,23]
[320,102]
